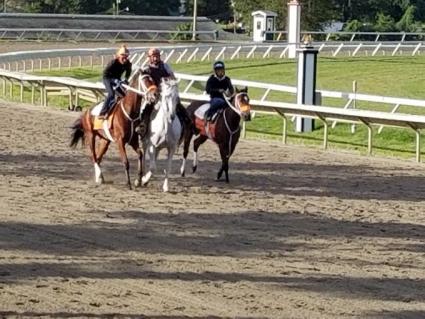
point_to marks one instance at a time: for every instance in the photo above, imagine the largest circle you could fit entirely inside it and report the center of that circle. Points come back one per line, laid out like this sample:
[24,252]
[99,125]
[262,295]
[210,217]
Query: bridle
[237,109]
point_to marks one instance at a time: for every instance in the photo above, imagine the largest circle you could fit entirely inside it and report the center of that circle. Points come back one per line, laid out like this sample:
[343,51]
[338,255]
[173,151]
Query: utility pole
[4,6]
[234,17]
[195,13]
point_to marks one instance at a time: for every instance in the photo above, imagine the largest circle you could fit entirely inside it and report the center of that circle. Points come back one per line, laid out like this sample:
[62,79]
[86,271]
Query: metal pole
[195,13]
[4,6]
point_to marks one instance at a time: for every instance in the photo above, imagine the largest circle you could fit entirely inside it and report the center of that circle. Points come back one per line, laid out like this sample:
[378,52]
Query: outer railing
[49,34]
[352,36]
[24,61]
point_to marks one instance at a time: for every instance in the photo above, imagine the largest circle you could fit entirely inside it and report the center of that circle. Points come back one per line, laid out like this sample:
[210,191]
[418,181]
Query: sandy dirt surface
[298,233]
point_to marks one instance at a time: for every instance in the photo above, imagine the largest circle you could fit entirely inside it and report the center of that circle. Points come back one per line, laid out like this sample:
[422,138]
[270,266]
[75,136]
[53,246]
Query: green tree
[52,6]
[384,23]
[407,21]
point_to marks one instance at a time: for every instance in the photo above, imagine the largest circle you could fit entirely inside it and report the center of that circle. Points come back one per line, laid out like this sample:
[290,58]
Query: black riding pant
[111,96]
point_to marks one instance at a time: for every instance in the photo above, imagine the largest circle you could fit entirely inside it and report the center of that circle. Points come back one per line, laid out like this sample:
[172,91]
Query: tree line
[357,15]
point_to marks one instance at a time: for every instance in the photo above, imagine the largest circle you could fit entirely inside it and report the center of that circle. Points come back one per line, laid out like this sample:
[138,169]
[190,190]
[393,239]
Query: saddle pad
[95,111]
[200,111]
[206,128]
[98,123]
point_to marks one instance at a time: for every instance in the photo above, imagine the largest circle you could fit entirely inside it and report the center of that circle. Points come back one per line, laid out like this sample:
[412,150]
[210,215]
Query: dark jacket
[214,85]
[115,69]
[158,72]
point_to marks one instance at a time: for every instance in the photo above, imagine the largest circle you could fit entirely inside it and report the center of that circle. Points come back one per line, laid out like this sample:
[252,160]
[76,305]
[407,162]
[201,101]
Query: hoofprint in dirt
[298,233]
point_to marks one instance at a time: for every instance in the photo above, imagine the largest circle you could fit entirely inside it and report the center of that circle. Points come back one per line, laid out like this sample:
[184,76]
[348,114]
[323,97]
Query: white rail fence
[76,90]
[50,34]
[30,61]
[349,36]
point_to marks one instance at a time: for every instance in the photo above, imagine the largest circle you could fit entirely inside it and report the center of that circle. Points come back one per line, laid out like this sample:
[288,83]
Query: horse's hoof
[183,174]
[145,181]
[137,183]
[194,168]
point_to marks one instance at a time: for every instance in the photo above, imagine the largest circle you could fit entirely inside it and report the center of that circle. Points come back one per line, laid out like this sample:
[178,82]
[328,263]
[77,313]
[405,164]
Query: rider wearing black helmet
[217,85]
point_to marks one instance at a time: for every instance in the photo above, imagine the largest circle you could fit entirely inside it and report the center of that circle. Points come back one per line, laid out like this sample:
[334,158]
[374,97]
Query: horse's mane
[169,91]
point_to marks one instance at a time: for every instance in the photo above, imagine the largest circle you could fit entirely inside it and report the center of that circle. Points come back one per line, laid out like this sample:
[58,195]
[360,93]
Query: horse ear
[237,89]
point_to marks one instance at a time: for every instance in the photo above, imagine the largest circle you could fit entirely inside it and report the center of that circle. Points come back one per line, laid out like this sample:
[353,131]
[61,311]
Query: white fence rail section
[77,90]
[50,34]
[352,36]
[30,61]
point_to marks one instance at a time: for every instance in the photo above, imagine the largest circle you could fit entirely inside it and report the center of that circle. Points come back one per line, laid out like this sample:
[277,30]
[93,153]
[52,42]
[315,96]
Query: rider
[113,73]
[217,85]
[158,69]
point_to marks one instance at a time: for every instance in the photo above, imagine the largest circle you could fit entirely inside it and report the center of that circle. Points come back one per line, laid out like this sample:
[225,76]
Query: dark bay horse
[122,121]
[225,131]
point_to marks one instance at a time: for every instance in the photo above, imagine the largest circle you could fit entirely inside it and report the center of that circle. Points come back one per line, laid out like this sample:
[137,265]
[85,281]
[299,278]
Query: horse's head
[169,92]
[241,102]
[148,87]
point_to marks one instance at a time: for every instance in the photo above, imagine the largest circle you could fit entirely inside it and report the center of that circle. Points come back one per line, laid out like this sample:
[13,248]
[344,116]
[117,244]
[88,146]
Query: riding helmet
[218,65]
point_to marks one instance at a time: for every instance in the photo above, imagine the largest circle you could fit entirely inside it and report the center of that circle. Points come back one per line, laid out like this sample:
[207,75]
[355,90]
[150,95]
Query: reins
[237,111]
[143,93]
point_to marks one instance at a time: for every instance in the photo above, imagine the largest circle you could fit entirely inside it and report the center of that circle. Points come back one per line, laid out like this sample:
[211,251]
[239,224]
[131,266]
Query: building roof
[264,13]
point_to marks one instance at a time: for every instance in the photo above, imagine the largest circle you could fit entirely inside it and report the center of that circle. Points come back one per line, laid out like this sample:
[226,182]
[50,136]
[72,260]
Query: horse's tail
[77,132]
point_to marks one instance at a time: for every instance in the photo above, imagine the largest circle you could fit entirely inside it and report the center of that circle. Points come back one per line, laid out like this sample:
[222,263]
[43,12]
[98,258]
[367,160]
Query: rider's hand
[125,82]
[221,91]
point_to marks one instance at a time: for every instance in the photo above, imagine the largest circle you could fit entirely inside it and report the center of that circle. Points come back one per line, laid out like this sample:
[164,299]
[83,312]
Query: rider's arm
[208,87]
[128,70]
[108,69]
[230,87]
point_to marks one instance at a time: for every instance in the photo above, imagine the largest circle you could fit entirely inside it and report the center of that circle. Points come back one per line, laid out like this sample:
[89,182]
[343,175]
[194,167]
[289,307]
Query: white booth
[263,21]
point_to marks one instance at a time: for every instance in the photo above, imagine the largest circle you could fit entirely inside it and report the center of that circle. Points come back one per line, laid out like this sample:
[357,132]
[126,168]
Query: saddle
[97,122]
[207,128]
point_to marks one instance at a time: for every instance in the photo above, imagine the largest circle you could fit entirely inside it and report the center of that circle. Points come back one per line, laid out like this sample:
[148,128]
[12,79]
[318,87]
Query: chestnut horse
[124,118]
[224,130]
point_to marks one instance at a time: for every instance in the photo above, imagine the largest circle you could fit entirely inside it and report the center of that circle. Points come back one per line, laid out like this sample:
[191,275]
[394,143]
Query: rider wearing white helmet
[113,72]
[217,85]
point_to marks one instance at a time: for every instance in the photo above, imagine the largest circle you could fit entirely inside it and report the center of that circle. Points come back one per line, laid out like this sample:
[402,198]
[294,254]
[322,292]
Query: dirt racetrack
[298,233]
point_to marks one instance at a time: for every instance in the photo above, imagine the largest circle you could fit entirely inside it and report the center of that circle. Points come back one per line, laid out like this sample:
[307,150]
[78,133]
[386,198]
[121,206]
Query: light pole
[195,7]
[117,6]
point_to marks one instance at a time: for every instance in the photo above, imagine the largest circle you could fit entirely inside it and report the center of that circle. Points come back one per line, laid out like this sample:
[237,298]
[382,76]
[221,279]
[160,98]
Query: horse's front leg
[224,153]
[124,159]
[152,165]
[135,145]
[171,151]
